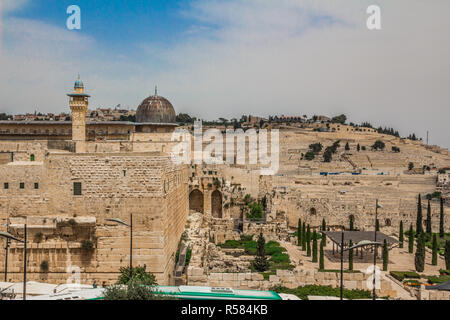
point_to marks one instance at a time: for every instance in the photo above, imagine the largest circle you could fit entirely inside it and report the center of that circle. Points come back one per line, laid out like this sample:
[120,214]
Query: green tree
[316,147]
[385,256]
[378,145]
[401,235]
[447,255]
[321,255]
[441,220]
[139,274]
[324,228]
[435,251]
[308,242]
[309,156]
[428,222]
[304,236]
[140,286]
[419,259]
[350,256]
[327,155]
[314,247]
[419,228]
[299,232]
[260,263]
[352,227]
[410,239]
[339,119]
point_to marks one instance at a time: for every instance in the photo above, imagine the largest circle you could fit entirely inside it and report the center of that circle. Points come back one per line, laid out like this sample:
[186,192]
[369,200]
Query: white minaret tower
[78,103]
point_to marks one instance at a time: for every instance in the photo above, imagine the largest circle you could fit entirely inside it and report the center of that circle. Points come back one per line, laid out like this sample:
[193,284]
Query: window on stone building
[36,185]
[313,211]
[6,185]
[77,189]
[388,222]
[22,185]
[32,157]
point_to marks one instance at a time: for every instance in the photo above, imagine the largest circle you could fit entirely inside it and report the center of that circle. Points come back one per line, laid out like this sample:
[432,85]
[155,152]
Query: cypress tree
[304,236]
[324,228]
[447,254]
[260,263]
[385,256]
[321,256]
[299,232]
[314,248]
[435,251]
[428,222]
[419,259]
[441,220]
[351,223]
[308,242]
[350,256]
[410,239]
[419,228]
[401,235]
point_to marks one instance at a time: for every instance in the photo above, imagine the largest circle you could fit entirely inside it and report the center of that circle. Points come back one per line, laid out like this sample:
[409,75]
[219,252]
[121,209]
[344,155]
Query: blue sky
[224,58]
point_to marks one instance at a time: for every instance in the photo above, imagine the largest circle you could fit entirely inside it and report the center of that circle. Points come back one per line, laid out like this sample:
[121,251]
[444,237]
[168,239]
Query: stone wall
[113,186]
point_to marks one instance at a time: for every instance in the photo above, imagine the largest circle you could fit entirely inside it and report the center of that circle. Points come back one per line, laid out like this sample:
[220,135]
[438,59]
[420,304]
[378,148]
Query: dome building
[155,109]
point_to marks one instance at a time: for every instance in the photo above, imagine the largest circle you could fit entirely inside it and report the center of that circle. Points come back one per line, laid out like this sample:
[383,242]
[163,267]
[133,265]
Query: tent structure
[356,237]
[441,287]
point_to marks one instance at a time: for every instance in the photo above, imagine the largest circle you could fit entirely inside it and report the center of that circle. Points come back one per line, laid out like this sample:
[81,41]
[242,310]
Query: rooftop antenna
[427,136]
[156,91]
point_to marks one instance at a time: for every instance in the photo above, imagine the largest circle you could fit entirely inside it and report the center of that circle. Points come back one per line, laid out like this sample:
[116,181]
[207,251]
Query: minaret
[78,105]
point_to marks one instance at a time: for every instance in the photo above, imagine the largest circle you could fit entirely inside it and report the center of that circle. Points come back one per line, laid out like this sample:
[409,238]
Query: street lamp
[375,249]
[6,252]
[360,244]
[131,238]
[8,237]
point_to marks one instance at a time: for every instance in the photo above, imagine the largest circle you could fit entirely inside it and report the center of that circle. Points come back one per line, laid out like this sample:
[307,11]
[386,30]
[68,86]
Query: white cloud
[256,57]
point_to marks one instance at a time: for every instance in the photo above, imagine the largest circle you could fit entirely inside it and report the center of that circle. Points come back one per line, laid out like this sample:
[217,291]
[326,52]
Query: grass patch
[314,290]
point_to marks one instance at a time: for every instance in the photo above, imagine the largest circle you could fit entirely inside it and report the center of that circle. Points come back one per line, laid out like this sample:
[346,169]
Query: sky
[225,58]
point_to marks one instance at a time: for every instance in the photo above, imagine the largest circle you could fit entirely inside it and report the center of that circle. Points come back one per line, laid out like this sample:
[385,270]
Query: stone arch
[388,222]
[196,200]
[313,211]
[216,204]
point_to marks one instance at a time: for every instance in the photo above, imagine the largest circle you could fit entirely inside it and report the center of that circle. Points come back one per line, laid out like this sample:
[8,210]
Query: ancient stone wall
[112,186]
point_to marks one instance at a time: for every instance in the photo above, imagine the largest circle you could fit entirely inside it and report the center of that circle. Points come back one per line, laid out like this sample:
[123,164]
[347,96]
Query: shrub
[309,156]
[39,237]
[139,274]
[72,222]
[401,275]
[44,266]
[87,245]
[314,290]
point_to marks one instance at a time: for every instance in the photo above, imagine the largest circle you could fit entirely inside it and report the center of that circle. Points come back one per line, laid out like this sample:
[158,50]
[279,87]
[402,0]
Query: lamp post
[131,239]
[8,237]
[375,249]
[360,244]
[6,251]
